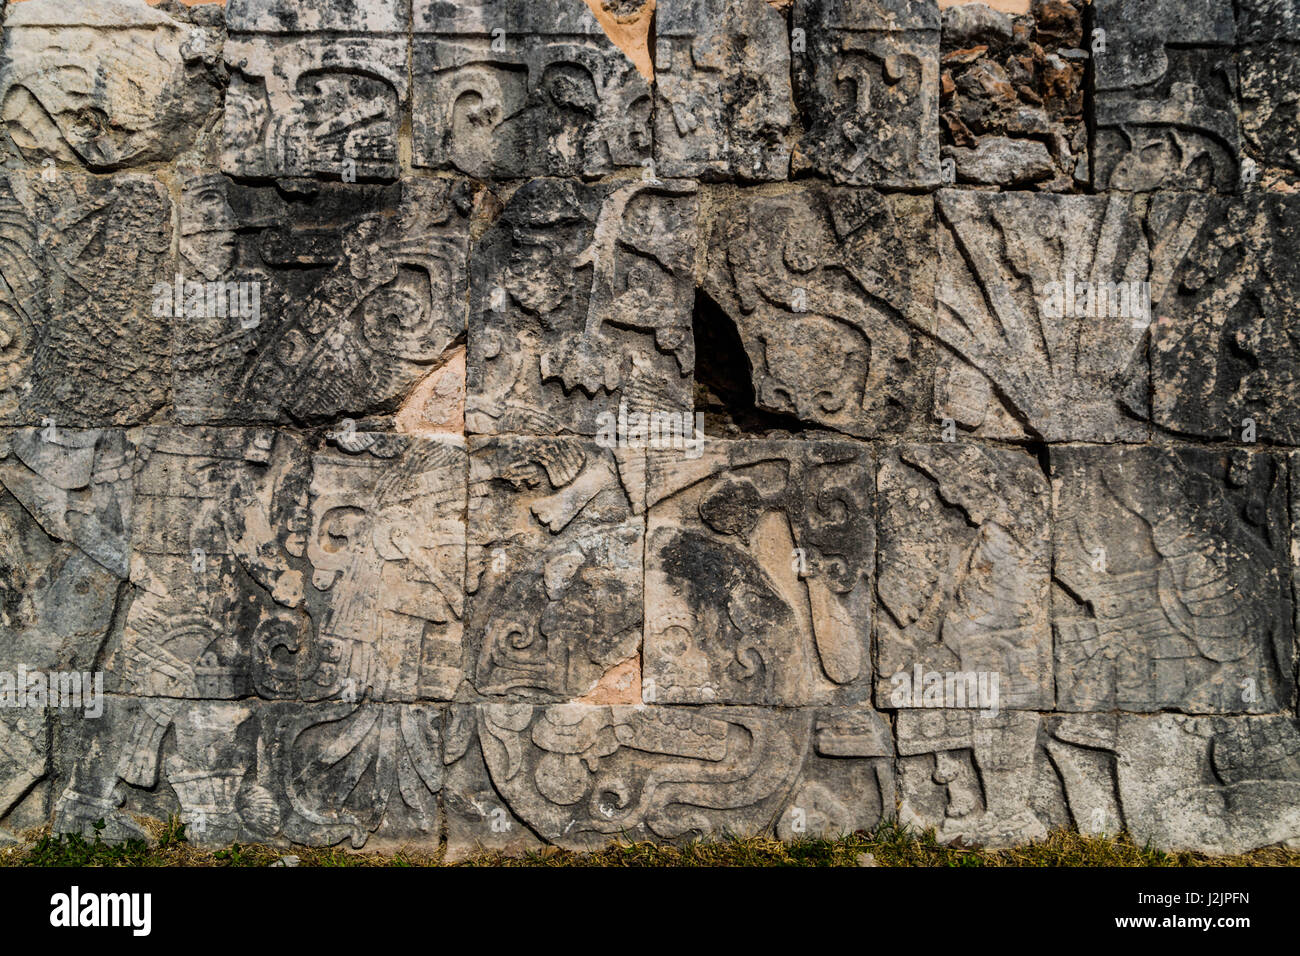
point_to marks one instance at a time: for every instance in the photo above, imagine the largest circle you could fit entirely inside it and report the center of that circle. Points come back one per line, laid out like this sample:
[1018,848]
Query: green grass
[888,845]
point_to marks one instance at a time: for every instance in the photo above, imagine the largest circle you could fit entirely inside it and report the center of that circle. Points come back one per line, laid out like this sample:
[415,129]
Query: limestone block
[1171,590]
[759,559]
[831,291]
[867,91]
[580,304]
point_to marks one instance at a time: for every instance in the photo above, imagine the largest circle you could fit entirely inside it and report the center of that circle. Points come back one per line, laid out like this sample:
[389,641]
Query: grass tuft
[888,845]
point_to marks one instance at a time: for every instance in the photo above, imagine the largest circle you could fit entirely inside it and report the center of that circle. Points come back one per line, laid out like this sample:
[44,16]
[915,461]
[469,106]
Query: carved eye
[571,87]
[732,507]
[292,348]
[828,401]
[777,397]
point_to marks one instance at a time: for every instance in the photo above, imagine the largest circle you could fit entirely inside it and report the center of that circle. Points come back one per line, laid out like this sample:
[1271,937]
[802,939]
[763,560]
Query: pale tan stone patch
[621,684]
[436,406]
[629,31]
[1006,6]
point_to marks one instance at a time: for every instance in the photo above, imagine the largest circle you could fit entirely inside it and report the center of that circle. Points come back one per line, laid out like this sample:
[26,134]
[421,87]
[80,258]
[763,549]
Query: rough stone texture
[256,771]
[580,302]
[579,776]
[79,344]
[1012,96]
[1270,126]
[1269,34]
[499,424]
[964,565]
[315,89]
[1225,362]
[65,518]
[554,566]
[759,559]
[1210,784]
[1022,357]
[867,91]
[511,89]
[971,777]
[1171,591]
[262,567]
[360,292]
[723,105]
[829,303]
[1165,96]
[105,84]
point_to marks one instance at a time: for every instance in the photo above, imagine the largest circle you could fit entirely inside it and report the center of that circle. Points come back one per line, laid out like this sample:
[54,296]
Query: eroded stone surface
[831,291]
[1170,568]
[65,520]
[370,481]
[255,771]
[581,303]
[1043,315]
[1012,96]
[554,566]
[1224,350]
[105,85]
[972,777]
[1269,122]
[963,578]
[1165,96]
[308,308]
[722,90]
[759,559]
[579,776]
[315,89]
[1211,784]
[79,343]
[512,89]
[265,568]
[867,91]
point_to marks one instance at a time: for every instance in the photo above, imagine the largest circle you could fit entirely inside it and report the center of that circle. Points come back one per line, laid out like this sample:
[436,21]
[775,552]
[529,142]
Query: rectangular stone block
[555,570]
[256,771]
[316,90]
[1043,314]
[723,106]
[1170,566]
[1165,96]
[268,568]
[306,309]
[1219,785]
[506,90]
[1224,358]
[478,819]
[580,308]
[106,85]
[866,87]
[759,560]
[981,779]
[581,776]
[847,782]
[965,560]
[65,526]
[832,293]
[78,343]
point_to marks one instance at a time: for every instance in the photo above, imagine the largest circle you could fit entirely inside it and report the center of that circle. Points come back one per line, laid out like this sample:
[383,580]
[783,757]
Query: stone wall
[508,422]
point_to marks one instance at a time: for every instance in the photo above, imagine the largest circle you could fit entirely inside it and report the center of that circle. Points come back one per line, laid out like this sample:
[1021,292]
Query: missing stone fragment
[724,383]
